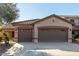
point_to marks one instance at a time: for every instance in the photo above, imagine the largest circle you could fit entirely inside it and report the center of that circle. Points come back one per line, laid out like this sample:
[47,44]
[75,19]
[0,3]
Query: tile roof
[8,26]
[26,22]
[69,16]
[63,17]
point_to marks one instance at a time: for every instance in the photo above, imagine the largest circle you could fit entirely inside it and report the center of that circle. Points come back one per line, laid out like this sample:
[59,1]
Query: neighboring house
[53,28]
[75,21]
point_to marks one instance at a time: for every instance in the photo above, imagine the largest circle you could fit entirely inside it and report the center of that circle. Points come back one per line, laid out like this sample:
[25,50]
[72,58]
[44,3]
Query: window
[72,20]
[76,21]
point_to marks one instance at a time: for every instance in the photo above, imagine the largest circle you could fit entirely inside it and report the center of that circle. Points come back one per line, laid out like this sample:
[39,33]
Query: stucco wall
[16,35]
[53,21]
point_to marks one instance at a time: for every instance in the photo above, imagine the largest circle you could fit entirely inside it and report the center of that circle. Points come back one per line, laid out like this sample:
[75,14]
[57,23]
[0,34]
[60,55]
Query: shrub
[5,36]
[77,36]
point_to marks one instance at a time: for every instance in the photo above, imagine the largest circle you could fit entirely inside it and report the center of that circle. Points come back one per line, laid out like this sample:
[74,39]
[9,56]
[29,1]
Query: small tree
[8,12]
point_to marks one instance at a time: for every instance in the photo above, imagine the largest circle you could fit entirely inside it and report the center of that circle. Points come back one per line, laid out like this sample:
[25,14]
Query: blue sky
[40,10]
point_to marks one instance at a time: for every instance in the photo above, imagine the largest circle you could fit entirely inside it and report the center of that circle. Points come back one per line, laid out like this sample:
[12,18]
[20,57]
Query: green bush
[76,40]
[77,36]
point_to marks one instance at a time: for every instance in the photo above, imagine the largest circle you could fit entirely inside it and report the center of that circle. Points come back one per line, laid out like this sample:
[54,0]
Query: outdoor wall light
[70,29]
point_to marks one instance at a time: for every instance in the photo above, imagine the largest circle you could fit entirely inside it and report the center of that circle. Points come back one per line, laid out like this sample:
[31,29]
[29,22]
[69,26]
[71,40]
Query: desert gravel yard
[49,49]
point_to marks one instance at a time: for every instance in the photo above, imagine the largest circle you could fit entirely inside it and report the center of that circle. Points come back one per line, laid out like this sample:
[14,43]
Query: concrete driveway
[49,49]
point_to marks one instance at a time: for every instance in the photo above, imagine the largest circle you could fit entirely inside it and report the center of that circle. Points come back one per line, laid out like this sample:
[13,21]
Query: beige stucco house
[52,28]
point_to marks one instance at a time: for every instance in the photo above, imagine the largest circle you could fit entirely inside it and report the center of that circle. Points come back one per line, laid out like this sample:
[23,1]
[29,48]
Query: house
[53,28]
[75,21]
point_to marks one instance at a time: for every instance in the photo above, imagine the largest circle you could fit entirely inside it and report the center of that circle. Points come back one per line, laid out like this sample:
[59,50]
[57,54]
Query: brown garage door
[52,35]
[25,35]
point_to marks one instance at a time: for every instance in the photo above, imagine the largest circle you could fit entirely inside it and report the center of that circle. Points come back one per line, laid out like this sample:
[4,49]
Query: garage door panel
[51,35]
[25,35]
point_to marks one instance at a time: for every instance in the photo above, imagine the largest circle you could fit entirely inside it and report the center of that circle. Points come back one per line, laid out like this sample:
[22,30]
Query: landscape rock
[14,49]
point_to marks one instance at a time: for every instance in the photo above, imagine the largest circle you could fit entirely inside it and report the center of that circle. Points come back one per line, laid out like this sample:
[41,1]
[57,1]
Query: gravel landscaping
[4,47]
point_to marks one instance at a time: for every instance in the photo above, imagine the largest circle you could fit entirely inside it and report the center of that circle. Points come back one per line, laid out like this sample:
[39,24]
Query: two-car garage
[52,35]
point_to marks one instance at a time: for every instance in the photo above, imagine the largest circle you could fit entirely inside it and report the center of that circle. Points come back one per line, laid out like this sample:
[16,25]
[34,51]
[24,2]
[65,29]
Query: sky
[28,11]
